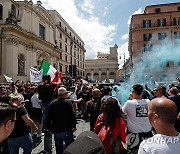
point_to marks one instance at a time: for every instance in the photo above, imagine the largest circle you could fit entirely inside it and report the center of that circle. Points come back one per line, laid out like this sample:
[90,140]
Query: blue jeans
[67,137]
[25,142]
[45,107]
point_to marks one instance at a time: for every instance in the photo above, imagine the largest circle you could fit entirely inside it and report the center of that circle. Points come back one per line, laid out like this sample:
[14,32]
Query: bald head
[96,93]
[165,108]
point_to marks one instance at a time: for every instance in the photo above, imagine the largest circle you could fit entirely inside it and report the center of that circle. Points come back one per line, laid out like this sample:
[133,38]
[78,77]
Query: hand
[34,128]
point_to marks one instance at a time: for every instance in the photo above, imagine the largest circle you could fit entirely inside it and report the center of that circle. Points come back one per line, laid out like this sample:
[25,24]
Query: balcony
[154,25]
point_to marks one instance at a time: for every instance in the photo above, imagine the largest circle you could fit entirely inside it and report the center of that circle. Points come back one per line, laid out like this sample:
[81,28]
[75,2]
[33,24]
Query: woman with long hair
[110,126]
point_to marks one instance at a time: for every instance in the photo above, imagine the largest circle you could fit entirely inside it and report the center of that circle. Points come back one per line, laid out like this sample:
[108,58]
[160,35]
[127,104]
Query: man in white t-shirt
[138,123]
[162,114]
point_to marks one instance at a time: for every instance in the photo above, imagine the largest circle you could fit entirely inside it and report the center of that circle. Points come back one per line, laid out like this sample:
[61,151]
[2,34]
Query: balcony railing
[155,24]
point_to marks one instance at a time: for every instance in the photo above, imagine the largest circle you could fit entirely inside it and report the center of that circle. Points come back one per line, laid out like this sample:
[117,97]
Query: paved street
[81,126]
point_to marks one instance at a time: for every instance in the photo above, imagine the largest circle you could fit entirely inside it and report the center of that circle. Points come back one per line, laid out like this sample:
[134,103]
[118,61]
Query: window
[162,36]
[41,31]
[161,22]
[176,21]
[65,29]
[178,8]
[60,24]
[74,37]
[147,47]
[66,68]
[147,37]
[55,66]
[157,10]
[146,23]
[70,33]
[60,55]
[60,67]
[66,48]
[60,45]
[60,35]
[163,64]
[176,35]
[1,12]
[66,39]
[66,59]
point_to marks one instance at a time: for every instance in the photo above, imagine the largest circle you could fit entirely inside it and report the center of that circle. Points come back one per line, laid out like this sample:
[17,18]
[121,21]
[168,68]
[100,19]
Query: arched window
[21,64]
[112,73]
[1,12]
[96,74]
[88,74]
[103,73]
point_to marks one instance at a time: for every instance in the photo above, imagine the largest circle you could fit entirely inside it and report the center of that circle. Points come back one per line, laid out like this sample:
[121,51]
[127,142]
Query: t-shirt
[137,119]
[20,129]
[35,101]
[160,144]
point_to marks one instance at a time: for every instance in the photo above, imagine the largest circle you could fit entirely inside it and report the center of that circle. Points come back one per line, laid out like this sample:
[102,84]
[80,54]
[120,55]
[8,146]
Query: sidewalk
[81,127]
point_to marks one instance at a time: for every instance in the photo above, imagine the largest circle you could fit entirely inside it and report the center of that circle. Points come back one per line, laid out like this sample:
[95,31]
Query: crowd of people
[148,122]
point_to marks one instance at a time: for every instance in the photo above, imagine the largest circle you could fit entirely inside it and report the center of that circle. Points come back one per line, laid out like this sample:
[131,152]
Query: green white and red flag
[50,70]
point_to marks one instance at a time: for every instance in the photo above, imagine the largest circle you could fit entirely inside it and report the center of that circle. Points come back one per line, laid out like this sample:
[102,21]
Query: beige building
[157,23]
[105,67]
[29,33]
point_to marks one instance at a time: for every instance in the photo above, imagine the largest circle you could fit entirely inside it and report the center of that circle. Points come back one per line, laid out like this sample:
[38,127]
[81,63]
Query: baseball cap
[62,91]
[86,143]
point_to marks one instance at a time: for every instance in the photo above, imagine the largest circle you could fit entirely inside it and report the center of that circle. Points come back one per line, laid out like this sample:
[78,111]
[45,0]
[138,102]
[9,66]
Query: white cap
[62,91]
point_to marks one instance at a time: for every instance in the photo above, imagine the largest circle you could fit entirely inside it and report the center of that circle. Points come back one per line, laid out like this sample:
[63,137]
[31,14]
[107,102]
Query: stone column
[107,72]
[99,75]
[92,74]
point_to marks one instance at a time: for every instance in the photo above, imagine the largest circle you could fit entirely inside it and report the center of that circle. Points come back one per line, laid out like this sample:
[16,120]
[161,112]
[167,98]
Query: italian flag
[50,70]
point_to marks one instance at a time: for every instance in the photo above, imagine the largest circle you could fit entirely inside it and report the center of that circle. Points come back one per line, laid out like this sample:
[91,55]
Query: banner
[35,75]
[8,79]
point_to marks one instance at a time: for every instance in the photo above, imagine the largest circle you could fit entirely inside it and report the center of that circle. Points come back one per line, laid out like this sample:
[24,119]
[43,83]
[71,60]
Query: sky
[101,23]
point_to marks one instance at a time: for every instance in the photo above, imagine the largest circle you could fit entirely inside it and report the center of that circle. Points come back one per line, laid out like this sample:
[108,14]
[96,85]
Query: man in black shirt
[20,136]
[61,120]
[45,92]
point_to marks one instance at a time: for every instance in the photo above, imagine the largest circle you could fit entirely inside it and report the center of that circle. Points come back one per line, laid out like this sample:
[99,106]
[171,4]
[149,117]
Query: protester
[106,93]
[110,127]
[45,92]
[138,124]
[61,120]
[37,111]
[93,108]
[176,99]
[162,114]
[20,136]
[7,119]
[159,92]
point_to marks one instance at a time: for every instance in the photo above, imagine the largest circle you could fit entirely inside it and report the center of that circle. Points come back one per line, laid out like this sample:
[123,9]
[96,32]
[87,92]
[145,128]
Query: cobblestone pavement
[81,127]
